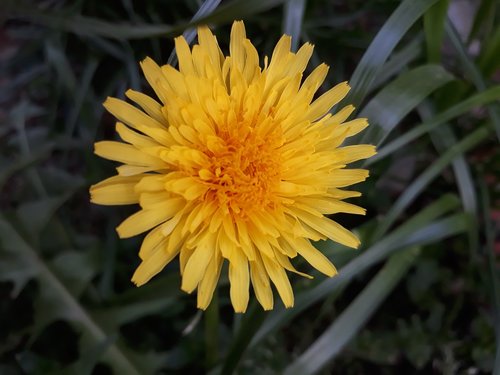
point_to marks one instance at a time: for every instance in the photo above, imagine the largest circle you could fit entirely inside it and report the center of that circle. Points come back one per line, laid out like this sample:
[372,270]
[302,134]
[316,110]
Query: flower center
[245,169]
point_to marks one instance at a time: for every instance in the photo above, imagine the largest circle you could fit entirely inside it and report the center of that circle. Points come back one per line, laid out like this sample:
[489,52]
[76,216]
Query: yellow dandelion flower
[236,162]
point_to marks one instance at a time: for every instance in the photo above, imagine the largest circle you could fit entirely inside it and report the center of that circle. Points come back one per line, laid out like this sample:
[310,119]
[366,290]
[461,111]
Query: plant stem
[212,333]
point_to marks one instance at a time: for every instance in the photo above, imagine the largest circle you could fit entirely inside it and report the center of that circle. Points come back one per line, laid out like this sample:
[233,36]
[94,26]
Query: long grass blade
[205,9]
[417,186]
[434,30]
[88,26]
[372,62]
[354,317]
[460,108]
[420,229]
[401,96]
[292,20]
[473,72]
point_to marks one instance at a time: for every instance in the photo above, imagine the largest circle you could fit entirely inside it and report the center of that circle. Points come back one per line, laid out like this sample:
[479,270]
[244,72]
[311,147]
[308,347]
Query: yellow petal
[349,154]
[312,255]
[345,177]
[153,240]
[354,126]
[329,228]
[144,220]
[342,194]
[326,101]
[151,266]
[260,240]
[331,206]
[134,138]
[236,49]
[284,262]
[125,153]
[150,200]
[155,78]
[239,279]
[261,284]
[148,104]
[340,116]
[151,183]
[301,59]
[196,266]
[315,79]
[184,56]
[130,115]
[251,61]
[207,285]
[280,280]
[176,81]
[114,195]
[208,42]
[116,190]
[134,170]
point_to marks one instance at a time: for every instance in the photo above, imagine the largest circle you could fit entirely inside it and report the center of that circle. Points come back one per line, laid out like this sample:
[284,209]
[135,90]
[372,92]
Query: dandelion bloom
[234,162]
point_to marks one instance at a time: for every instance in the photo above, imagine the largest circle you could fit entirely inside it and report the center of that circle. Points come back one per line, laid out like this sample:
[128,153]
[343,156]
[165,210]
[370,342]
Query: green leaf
[400,97]
[54,301]
[157,296]
[422,181]
[420,229]
[10,167]
[85,364]
[354,317]
[35,215]
[434,21]
[75,269]
[372,62]
[13,266]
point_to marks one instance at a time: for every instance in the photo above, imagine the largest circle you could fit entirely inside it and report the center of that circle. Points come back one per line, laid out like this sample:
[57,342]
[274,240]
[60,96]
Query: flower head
[236,162]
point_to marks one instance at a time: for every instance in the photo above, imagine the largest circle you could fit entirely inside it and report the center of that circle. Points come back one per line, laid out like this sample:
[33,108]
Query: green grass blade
[479,99]
[488,61]
[370,66]
[355,316]
[205,9]
[88,26]
[485,18]
[414,232]
[292,20]
[401,96]
[250,324]
[473,72]
[80,95]
[434,21]
[492,277]
[417,186]
[398,61]
[444,139]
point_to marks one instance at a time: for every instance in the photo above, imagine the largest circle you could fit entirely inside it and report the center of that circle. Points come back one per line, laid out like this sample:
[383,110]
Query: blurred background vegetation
[421,296]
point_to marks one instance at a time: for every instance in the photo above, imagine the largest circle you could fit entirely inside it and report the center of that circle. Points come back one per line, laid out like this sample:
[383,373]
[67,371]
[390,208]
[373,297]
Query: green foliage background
[420,296]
